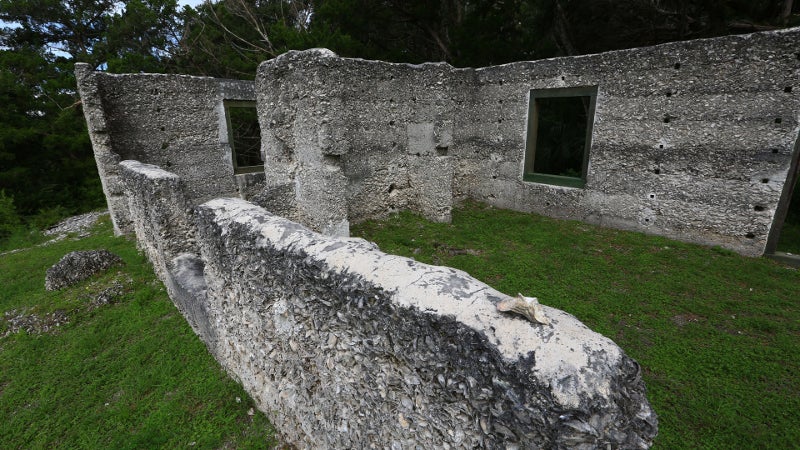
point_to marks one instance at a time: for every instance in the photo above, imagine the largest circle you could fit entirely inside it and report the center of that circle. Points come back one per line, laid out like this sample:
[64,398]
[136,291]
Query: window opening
[244,136]
[559,135]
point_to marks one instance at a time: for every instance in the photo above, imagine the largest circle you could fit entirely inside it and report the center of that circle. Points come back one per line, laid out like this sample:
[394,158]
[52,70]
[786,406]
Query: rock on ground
[75,224]
[78,266]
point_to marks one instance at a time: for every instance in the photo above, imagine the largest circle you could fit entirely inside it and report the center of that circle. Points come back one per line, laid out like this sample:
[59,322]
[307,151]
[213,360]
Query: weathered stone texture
[173,121]
[355,133]
[77,266]
[344,346]
[160,213]
[697,177]
[691,140]
[164,225]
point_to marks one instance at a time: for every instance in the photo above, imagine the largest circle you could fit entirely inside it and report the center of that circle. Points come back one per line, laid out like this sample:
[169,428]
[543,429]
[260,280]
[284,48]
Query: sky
[189,2]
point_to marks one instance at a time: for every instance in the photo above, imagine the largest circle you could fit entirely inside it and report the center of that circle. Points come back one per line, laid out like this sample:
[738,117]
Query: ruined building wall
[691,140]
[353,139]
[344,346]
[174,121]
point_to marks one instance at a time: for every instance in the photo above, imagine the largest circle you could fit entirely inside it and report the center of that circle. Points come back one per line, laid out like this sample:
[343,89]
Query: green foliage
[715,332]
[9,220]
[46,160]
[130,374]
[44,150]
[230,38]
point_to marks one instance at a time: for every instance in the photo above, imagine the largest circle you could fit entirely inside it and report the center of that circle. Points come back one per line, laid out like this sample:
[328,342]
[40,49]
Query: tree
[46,160]
[230,38]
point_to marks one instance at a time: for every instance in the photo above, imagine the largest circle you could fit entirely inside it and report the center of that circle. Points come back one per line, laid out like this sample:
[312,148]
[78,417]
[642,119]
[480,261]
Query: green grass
[717,334]
[129,374]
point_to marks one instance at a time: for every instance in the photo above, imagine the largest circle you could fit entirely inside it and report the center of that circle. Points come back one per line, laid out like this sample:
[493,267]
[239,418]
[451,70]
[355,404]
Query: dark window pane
[561,136]
[245,136]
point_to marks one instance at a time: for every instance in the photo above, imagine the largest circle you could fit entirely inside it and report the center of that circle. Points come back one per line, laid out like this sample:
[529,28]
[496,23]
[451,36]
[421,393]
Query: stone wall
[356,138]
[344,346]
[691,140]
[173,121]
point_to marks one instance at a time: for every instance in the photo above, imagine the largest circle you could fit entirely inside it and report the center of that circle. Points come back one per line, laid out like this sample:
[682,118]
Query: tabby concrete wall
[343,346]
[692,140]
[356,138]
[173,121]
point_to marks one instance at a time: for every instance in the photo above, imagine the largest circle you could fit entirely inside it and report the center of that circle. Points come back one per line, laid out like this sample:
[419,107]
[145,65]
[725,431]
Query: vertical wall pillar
[107,160]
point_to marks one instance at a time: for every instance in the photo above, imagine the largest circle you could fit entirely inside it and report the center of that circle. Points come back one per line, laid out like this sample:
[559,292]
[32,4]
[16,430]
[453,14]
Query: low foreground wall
[344,346]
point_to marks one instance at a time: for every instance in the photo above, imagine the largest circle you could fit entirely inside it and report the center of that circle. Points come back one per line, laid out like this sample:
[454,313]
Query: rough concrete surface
[77,266]
[345,346]
[691,140]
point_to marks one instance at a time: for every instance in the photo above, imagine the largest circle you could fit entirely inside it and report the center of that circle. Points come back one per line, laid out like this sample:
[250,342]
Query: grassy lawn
[129,374]
[717,334]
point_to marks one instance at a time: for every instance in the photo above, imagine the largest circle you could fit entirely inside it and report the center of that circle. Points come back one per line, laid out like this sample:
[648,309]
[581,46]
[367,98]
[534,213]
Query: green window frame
[244,136]
[559,135]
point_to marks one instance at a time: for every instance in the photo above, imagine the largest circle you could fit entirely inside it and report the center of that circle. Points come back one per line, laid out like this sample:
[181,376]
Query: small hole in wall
[419,154]
[787,89]
[500,101]
[750,235]
[778,120]
[652,196]
[163,128]
[332,160]
[677,66]
[563,78]
[501,82]
[765,180]
[774,150]
[414,99]
[391,122]
[494,177]
[660,145]
[391,100]
[158,109]
[647,219]
[667,119]
[546,203]
[164,146]
[669,94]
[657,171]
[500,120]
[391,188]
[758,208]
